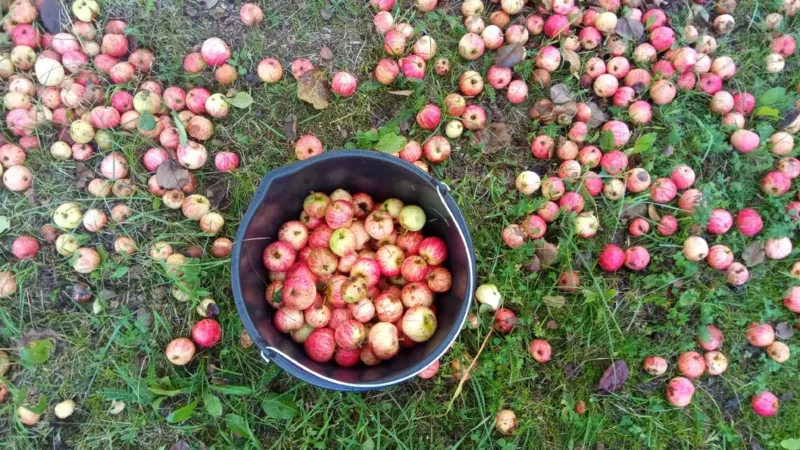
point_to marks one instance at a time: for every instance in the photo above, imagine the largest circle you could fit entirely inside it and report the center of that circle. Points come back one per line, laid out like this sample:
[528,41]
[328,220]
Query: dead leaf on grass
[83,175]
[171,175]
[668,151]
[326,53]
[572,58]
[510,55]
[598,118]
[652,212]
[614,377]
[630,29]
[494,137]
[52,15]
[546,252]
[245,340]
[559,94]
[180,445]
[784,331]
[313,88]
[632,210]
[217,194]
[753,254]
[325,13]
[290,127]
[401,93]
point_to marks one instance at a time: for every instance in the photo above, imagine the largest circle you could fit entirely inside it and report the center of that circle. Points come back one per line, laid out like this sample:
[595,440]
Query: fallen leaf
[572,58]
[510,55]
[554,301]
[494,137]
[630,29]
[566,110]
[36,335]
[789,118]
[559,94]
[572,370]
[180,445]
[402,93]
[653,214]
[53,14]
[535,265]
[241,100]
[290,127]
[30,194]
[631,210]
[787,396]
[784,331]
[217,194]
[313,88]
[171,175]
[546,252]
[116,407]
[598,118]
[326,53]
[325,13]
[208,4]
[614,377]
[5,224]
[245,340]
[83,175]
[668,151]
[552,324]
[753,254]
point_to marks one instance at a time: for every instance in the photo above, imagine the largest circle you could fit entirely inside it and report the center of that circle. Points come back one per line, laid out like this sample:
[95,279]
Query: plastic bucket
[280,198]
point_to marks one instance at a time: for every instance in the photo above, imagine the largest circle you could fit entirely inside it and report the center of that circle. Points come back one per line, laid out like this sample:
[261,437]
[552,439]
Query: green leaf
[765,111]
[644,143]
[771,97]
[391,143]
[5,224]
[607,142]
[147,122]
[40,407]
[554,301]
[232,390]
[791,444]
[279,406]
[212,404]
[120,272]
[241,100]
[167,392]
[36,352]
[182,138]
[184,413]
[237,424]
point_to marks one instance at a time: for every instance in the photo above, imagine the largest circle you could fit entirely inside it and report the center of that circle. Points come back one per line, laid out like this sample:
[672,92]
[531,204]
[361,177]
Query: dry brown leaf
[290,127]
[313,88]
[83,175]
[171,175]
[572,58]
[326,53]
[494,137]
[401,93]
[652,212]
[245,340]
[559,94]
[598,118]
[753,254]
[510,55]
[546,252]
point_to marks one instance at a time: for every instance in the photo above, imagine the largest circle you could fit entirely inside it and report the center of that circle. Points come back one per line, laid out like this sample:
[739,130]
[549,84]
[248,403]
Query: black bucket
[280,198]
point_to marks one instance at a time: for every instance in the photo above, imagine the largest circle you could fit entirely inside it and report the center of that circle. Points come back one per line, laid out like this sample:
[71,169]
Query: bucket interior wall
[282,201]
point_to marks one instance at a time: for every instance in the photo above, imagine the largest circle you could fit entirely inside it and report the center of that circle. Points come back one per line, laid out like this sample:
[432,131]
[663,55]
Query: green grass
[116,353]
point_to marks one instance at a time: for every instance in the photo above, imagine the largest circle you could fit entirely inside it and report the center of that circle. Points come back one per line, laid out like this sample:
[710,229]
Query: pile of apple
[692,365]
[206,333]
[354,279]
[63,90]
